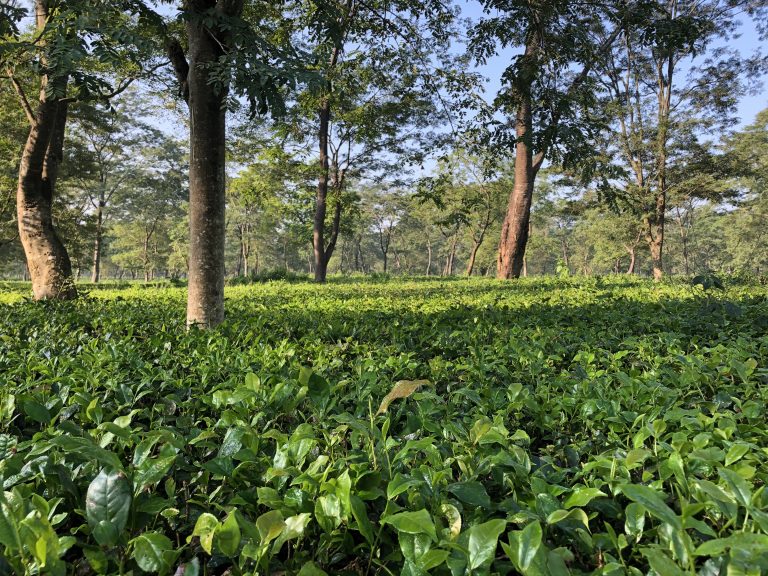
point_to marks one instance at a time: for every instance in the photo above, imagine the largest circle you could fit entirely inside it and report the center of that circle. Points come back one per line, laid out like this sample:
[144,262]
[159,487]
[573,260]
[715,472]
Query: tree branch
[180,66]
[23,98]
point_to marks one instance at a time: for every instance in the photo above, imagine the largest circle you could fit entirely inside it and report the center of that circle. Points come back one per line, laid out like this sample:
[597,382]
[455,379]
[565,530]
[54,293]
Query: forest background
[419,165]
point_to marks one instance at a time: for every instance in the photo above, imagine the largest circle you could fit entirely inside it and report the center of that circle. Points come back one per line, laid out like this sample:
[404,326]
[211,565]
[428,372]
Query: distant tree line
[342,136]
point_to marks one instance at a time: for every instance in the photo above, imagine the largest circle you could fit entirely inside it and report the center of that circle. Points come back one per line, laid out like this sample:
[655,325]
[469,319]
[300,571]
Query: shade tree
[77,51]
[670,79]
[545,108]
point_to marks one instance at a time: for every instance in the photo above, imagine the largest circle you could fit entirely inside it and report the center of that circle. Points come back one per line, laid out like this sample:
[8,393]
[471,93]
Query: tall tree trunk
[98,240]
[335,228]
[360,254]
[566,260]
[321,196]
[632,259]
[654,234]
[472,256]
[515,228]
[49,265]
[207,110]
[451,256]
[429,257]
[684,240]
[655,221]
[145,257]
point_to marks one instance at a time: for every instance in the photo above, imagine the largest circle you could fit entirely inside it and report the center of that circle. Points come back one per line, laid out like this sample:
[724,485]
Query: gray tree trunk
[207,110]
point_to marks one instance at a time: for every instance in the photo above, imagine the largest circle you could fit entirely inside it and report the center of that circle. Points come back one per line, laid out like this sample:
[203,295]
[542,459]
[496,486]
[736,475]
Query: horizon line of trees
[132,225]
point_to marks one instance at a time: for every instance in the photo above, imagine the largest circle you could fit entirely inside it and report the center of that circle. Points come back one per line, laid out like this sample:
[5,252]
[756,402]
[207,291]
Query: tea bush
[582,426]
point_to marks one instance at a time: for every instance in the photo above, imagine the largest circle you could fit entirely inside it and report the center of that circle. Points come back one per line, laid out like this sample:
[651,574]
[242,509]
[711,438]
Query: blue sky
[747,43]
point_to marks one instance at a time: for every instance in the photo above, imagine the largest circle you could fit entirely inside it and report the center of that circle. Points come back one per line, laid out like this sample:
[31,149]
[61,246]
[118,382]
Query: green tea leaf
[151,471]
[107,504]
[634,520]
[576,514]
[227,536]
[37,412]
[453,516]
[661,563]
[9,532]
[364,525]
[482,542]
[400,484]
[738,486]
[311,569]
[294,528]
[7,446]
[328,512]
[149,551]
[419,522]
[205,529]
[582,496]
[735,453]
[269,525]
[85,448]
[652,502]
[529,542]
[471,492]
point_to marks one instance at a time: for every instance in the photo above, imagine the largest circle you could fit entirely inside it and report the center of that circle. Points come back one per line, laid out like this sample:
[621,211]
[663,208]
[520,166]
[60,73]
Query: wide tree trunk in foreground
[49,265]
[207,111]
[514,229]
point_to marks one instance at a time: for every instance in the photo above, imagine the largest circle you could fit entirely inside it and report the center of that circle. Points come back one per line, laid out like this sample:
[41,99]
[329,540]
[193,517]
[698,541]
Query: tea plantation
[593,426]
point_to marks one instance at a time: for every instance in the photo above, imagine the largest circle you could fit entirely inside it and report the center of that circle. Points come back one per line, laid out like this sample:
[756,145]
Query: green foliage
[564,426]
[86,49]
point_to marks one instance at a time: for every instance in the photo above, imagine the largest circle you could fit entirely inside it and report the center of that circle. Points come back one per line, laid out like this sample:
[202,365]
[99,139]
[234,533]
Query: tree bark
[632,258]
[566,259]
[684,240]
[472,256]
[429,257]
[207,110]
[654,231]
[321,196]
[98,240]
[360,254]
[246,254]
[49,265]
[451,256]
[514,229]
[335,226]
[655,221]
